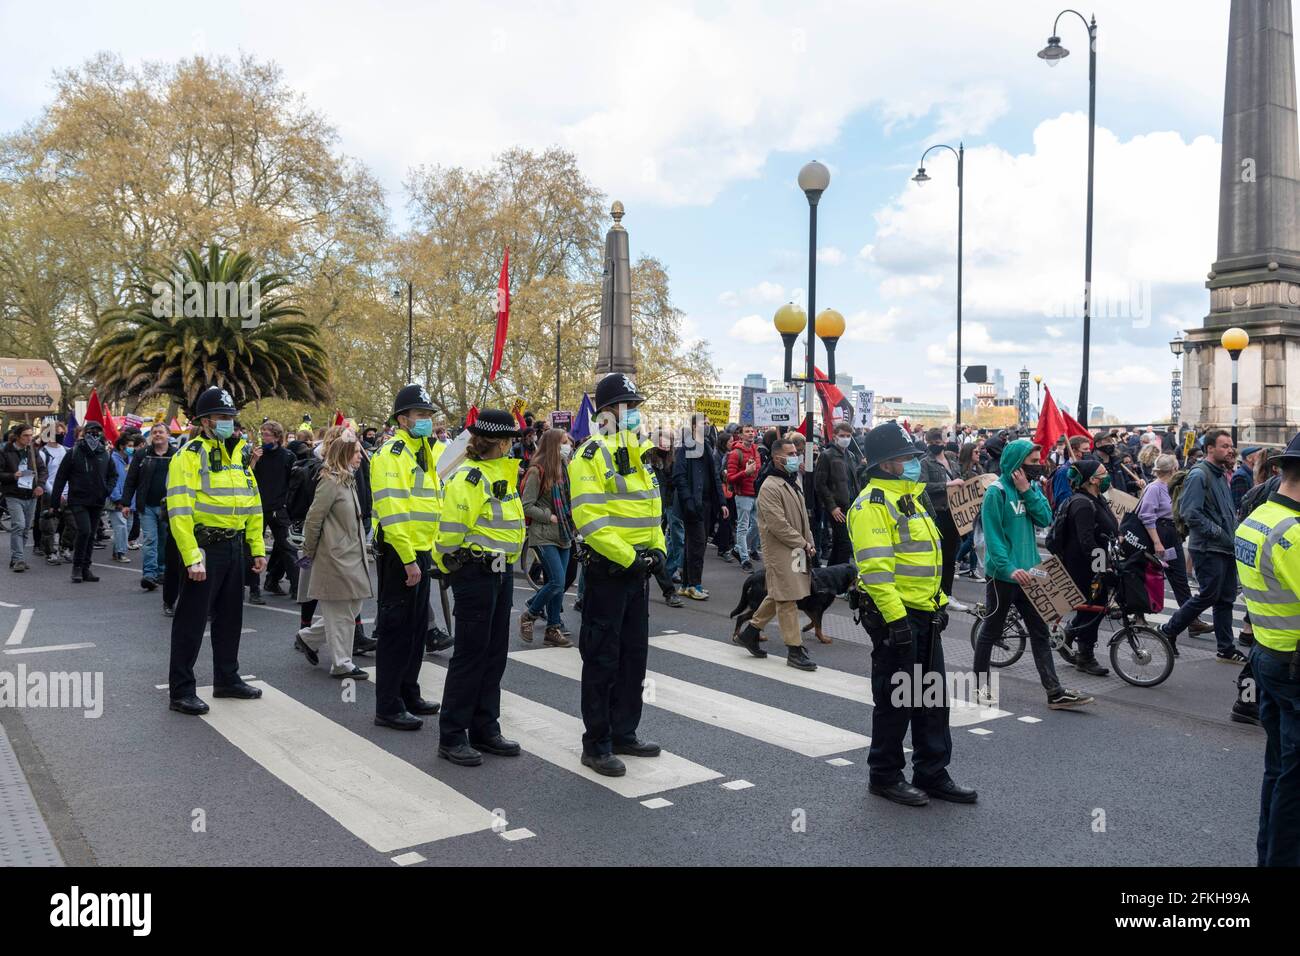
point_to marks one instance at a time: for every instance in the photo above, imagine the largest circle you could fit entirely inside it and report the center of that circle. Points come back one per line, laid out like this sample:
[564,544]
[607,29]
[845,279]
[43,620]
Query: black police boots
[637,748]
[900,792]
[797,656]
[239,691]
[191,705]
[462,754]
[607,765]
[748,639]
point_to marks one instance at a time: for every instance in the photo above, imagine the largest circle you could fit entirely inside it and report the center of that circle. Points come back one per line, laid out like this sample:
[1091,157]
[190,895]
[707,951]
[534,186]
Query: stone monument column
[1255,281]
[615,351]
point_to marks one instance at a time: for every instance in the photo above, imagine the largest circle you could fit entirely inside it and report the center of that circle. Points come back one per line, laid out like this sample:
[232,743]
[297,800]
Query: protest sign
[964,501]
[776,408]
[1052,591]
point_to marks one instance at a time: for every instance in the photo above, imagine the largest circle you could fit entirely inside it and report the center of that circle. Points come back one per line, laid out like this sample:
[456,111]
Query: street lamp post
[410,325]
[921,177]
[1038,392]
[1051,54]
[1176,381]
[1235,341]
[813,180]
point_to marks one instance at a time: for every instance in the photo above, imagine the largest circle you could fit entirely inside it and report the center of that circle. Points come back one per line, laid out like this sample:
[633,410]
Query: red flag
[503,316]
[1053,423]
[832,398]
[338,417]
[472,416]
[1073,428]
[96,413]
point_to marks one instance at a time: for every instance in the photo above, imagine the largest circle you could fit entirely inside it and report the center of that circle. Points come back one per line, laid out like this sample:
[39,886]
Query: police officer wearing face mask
[214,512]
[897,549]
[616,516]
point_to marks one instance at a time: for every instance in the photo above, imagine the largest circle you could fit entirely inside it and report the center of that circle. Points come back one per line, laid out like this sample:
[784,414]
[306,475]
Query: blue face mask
[632,419]
[912,470]
[792,463]
[223,430]
[268,447]
[421,427]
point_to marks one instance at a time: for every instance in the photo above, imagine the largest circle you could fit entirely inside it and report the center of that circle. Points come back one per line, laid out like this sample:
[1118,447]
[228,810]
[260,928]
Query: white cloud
[764,293]
[830,256]
[754,330]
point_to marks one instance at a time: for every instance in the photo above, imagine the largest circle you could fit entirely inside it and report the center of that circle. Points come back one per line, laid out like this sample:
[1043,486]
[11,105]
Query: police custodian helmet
[886,442]
[615,388]
[412,397]
[214,401]
[495,423]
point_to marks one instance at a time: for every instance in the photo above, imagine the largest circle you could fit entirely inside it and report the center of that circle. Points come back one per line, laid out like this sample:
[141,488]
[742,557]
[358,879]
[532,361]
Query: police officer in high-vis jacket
[479,539]
[405,491]
[1268,566]
[616,516]
[899,556]
[214,511]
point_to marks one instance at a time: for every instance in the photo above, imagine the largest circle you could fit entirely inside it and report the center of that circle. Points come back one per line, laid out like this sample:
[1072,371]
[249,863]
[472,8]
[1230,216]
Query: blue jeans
[154,546]
[550,597]
[746,526]
[966,552]
[23,513]
[121,527]
[1216,574]
[675,533]
[1279,798]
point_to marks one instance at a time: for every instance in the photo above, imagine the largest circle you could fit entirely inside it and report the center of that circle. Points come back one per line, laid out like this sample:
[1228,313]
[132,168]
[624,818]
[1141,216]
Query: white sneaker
[955,605]
[133,546]
[984,698]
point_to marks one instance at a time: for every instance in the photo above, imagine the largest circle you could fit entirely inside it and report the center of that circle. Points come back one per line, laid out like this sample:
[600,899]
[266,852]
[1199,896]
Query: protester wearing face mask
[405,490]
[545,496]
[788,543]
[1088,529]
[743,466]
[272,465]
[837,486]
[1108,454]
[616,514]
[88,474]
[661,463]
[215,515]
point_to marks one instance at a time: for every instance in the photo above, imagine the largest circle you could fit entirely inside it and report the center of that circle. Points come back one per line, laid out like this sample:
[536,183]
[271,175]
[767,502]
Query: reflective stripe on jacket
[616,513]
[481,511]
[406,499]
[207,484]
[1267,547]
[898,555]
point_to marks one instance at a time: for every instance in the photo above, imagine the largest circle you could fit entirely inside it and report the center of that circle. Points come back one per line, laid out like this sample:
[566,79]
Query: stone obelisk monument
[615,352]
[1255,282]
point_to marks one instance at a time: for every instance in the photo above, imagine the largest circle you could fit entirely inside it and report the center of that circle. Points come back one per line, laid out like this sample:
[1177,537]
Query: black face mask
[936,450]
[1032,472]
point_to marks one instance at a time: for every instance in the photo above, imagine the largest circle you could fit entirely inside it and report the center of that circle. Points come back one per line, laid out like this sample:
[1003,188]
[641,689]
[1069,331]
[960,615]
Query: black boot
[76,574]
[1086,661]
[88,575]
[797,656]
[748,639]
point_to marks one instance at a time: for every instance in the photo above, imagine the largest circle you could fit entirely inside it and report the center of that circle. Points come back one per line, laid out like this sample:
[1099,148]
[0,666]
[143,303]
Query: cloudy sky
[698,116]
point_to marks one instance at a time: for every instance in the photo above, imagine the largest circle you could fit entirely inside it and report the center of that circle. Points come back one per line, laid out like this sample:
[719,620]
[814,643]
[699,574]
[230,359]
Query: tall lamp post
[1235,341]
[813,180]
[1038,394]
[1051,54]
[921,177]
[1176,381]
[410,324]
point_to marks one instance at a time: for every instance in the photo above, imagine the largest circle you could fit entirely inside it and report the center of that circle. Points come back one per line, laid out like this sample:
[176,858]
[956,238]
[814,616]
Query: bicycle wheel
[532,568]
[1007,648]
[1141,655]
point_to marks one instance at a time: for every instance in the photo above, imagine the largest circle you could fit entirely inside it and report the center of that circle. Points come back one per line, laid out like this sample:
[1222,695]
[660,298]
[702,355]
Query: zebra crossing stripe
[824,680]
[781,728]
[377,797]
[556,737]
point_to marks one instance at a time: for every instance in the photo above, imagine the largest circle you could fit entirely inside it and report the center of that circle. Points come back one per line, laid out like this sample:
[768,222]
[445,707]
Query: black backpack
[302,487]
[1054,542]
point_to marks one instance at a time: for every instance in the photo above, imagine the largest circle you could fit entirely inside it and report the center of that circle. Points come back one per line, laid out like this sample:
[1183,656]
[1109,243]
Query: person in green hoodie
[1013,507]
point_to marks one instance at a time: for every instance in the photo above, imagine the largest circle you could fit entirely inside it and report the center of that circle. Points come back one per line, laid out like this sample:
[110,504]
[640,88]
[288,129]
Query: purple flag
[70,438]
[581,428]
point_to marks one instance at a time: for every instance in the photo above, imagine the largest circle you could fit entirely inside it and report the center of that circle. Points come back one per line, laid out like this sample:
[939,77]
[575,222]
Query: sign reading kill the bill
[28,385]
[1052,591]
[1120,503]
[964,501]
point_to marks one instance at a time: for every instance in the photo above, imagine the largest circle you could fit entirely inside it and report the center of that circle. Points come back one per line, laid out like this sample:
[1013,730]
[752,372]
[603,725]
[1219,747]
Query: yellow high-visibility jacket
[481,511]
[1268,566]
[406,497]
[896,548]
[211,484]
[616,513]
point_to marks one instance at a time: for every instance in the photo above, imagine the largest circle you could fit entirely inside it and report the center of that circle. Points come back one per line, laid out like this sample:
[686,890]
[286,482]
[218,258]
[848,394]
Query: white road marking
[47,647]
[518,833]
[279,610]
[736,785]
[823,680]
[20,627]
[7,604]
[406,859]
[1030,720]
[656,803]
[771,725]
[378,797]
[556,737]
[840,762]
[981,731]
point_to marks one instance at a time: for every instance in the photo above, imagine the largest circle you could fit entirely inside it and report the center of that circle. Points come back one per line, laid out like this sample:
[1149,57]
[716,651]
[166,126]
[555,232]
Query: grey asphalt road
[1145,777]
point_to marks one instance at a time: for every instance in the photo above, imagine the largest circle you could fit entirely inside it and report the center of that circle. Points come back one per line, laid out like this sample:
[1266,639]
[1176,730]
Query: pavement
[764,764]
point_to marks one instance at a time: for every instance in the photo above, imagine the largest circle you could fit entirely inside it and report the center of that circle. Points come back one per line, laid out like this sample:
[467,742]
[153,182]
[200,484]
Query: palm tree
[209,322]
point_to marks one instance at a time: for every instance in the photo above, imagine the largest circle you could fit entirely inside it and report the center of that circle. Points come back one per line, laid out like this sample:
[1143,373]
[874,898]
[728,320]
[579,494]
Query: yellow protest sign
[718,410]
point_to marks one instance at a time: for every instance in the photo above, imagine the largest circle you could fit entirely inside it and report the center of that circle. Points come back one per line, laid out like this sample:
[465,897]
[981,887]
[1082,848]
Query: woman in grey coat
[334,541]
[545,496]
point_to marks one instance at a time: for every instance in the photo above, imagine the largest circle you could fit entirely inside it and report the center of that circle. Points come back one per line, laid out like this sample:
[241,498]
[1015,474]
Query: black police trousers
[893,712]
[471,697]
[400,623]
[614,643]
[222,591]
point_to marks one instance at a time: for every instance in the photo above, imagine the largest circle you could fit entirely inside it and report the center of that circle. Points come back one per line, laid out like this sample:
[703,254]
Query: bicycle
[1139,653]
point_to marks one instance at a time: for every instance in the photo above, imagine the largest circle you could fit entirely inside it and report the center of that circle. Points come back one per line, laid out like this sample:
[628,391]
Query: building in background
[678,401]
[756,380]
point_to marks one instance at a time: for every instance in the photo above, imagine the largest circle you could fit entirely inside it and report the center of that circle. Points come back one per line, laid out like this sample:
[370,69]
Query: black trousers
[949,542]
[222,591]
[86,521]
[724,536]
[931,738]
[172,573]
[695,541]
[1176,575]
[400,623]
[841,547]
[282,562]
[614,643]
[999,596]
[471,698]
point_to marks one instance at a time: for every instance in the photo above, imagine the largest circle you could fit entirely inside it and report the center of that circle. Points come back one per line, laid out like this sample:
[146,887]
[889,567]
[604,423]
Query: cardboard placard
[562,420]
[965,501]
[776,408]
[1120,503]
[1052,591]
[718,410]
[864,415]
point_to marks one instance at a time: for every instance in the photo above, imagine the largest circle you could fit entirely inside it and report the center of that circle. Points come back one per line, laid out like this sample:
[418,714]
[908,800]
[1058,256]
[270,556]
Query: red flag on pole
[471,416]
[97,413]
[1053,423]
[338,417]
[503,315]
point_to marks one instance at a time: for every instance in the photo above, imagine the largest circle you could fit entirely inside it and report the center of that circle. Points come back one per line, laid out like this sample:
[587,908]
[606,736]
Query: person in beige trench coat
[338,578]
[788,551]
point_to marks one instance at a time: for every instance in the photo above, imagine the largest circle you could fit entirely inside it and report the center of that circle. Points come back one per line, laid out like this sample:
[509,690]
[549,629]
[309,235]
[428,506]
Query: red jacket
[741,483]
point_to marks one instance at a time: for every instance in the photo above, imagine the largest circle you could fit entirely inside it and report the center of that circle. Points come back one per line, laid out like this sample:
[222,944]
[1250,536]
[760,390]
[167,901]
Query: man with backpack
[1204,505]
[1082,530]
[743,466]
[273,465]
